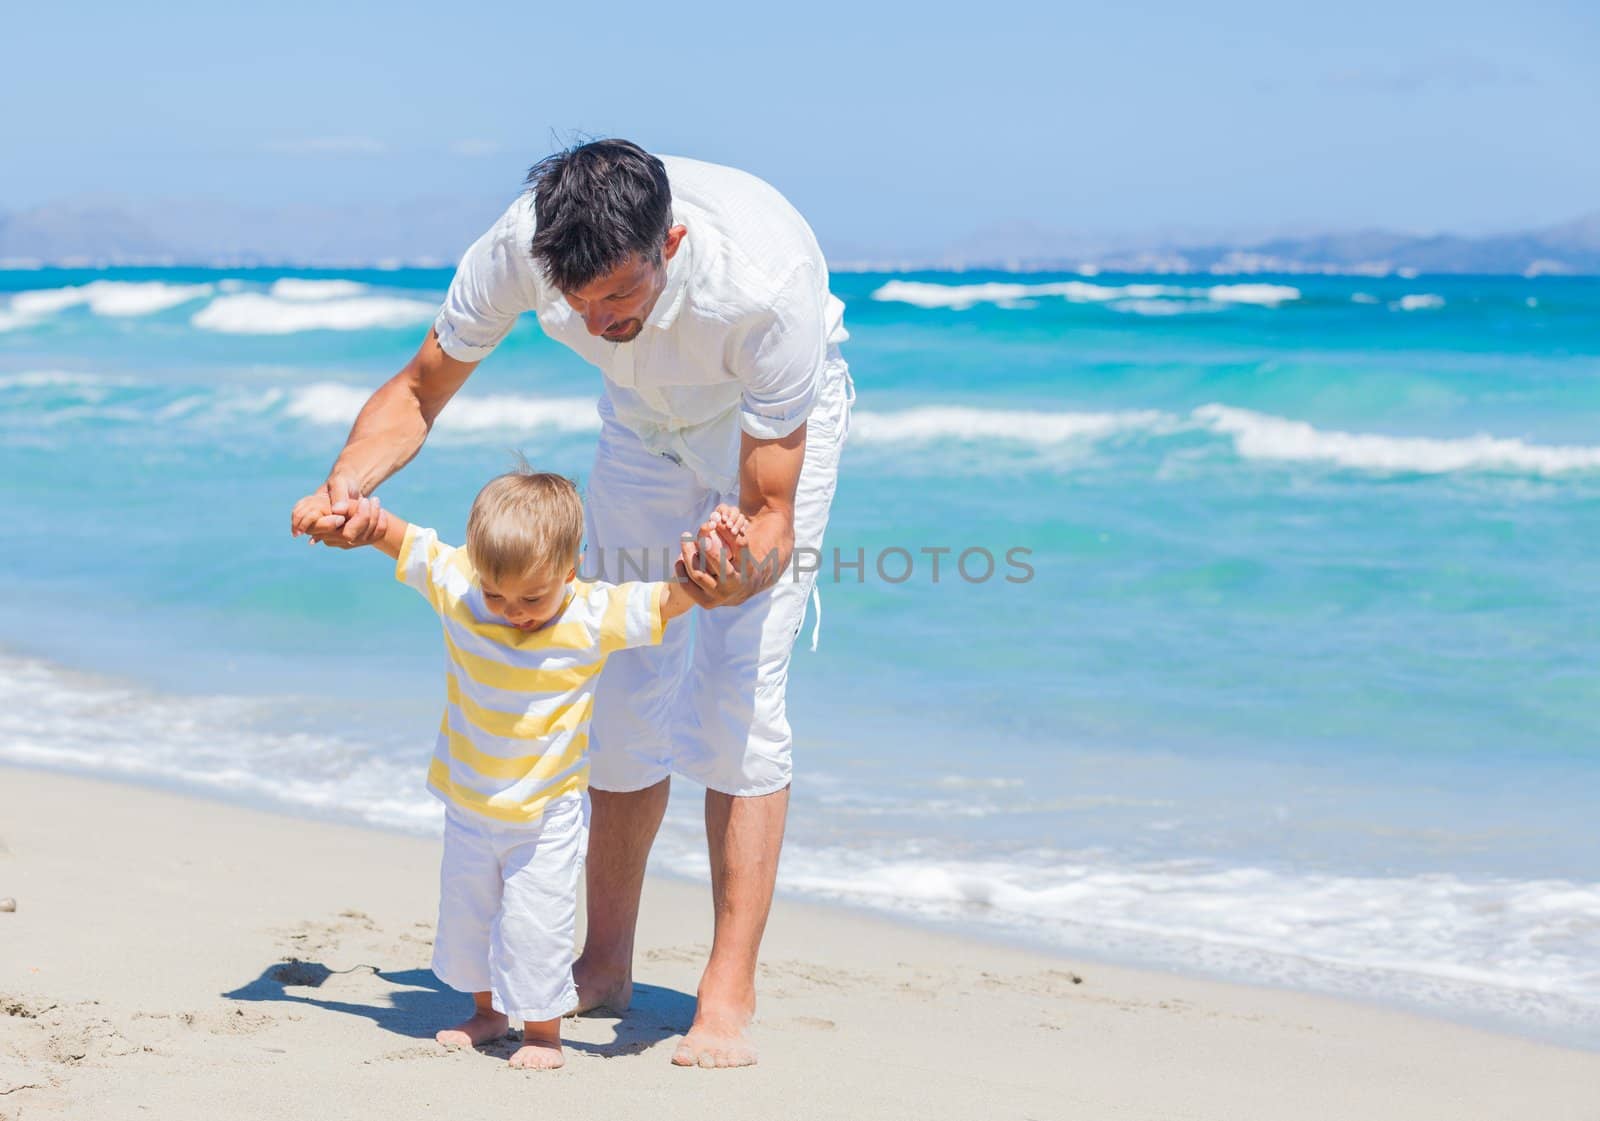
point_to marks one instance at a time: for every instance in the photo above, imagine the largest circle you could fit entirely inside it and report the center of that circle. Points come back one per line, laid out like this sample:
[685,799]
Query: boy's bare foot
[483,1026]
[541,1047]
[716,1039]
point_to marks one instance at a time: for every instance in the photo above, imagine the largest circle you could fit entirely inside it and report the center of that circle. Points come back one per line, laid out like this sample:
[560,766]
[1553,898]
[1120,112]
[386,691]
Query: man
[702,296]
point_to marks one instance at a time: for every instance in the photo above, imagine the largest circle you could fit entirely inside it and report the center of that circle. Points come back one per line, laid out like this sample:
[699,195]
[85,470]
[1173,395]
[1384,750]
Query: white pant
[508,908]
[712,710]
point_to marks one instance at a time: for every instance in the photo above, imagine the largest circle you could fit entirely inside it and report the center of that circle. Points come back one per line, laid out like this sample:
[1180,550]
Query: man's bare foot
[541,1047]
[716,1039]
[600,989]
[480,1028]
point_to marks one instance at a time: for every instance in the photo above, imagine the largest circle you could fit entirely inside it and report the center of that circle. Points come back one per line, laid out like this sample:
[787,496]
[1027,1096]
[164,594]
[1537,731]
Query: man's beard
[634,326]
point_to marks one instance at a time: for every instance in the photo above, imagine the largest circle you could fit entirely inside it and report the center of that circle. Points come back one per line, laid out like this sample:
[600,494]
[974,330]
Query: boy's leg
[486,1024]
[469,898]
[531,952]
[541,1046]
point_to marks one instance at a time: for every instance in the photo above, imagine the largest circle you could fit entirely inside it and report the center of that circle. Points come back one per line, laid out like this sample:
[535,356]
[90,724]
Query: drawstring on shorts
[816,627]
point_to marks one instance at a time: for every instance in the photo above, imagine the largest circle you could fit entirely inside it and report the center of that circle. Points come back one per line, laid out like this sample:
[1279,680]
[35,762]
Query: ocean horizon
[1281,666]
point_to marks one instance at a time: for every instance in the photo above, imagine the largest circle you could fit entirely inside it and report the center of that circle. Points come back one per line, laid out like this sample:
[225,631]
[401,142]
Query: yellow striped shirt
[515,731]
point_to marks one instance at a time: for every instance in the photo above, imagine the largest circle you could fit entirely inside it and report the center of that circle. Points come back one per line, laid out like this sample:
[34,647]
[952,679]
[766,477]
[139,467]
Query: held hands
[713,562]
[338,516]
[714,566]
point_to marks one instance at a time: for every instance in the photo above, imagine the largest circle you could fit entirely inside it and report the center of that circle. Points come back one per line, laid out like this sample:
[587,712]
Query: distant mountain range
[1571,248]
[185,231]
[435,231]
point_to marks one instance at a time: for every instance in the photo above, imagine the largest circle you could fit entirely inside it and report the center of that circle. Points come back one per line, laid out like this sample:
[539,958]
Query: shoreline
[1364,985]
[152,928]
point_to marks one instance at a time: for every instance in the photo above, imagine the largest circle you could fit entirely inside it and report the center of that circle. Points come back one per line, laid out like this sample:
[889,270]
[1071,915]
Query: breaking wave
[48,398]
[1123,297]
[252,313]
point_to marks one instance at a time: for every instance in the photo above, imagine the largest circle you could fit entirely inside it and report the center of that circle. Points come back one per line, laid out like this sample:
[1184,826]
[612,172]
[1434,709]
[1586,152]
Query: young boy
[525,642]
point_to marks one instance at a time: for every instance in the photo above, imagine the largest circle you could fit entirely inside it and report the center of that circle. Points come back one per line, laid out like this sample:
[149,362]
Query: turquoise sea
[1304,688]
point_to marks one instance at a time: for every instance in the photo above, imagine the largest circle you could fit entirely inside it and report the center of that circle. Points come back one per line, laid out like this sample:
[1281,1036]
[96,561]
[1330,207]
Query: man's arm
[769,475]
[387,434]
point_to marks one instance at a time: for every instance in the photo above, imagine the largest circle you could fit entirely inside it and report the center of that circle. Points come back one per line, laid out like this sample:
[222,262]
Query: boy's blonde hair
[525,524]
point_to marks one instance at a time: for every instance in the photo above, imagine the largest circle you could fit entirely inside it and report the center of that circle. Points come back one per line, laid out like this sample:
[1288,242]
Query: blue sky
[887,125]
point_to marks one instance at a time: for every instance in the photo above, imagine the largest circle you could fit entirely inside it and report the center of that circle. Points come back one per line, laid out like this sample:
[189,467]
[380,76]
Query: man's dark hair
[597,203]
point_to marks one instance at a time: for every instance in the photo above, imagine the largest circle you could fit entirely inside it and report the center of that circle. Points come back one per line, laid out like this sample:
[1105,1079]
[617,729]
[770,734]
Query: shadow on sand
[419,1004]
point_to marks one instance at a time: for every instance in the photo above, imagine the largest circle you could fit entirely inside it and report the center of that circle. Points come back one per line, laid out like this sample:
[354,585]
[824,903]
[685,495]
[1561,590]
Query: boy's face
[529,602]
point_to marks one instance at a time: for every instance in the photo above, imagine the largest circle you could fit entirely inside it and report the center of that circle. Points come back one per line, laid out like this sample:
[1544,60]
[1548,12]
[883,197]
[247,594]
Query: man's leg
[637,506]
[744,836]
[622,828]
[737,744]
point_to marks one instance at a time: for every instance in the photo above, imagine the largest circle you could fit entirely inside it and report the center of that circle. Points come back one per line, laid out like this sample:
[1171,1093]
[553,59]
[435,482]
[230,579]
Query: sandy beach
[177,958]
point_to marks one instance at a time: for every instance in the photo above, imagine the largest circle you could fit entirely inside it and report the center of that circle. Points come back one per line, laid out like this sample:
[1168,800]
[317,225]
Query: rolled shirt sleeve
[495,282]
[779,360]
[424,564]
[632,615]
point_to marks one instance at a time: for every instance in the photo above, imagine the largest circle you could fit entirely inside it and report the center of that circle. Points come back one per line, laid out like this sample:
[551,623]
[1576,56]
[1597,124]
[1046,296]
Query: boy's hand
[730,525]
[338,516]
[711,559]
[313,519]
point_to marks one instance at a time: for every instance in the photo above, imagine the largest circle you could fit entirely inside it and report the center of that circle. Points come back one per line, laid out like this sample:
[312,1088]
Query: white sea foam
[251,313]
[41,302]
[1262,436]
[1253,436]
[59,379]
[958,297]
[1521,949]
[1418,301]
[296,288]
[337,404]
[1267,295]
[115,298]
[56,718]
[936,423]
[1161,308]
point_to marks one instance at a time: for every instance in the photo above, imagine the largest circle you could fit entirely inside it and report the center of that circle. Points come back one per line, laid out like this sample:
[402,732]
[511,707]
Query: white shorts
[712,709]
[508,908]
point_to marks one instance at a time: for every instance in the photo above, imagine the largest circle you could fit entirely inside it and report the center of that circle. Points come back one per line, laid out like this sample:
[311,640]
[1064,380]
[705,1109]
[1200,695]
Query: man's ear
[674,239]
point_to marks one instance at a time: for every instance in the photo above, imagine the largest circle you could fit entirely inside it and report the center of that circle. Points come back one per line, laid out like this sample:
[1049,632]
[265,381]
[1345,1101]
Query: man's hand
[390,428]
[338,516]
[715,564]
[719,570]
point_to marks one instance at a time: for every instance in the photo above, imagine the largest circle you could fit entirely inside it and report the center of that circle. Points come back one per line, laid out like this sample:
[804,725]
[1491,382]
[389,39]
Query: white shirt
[738,340]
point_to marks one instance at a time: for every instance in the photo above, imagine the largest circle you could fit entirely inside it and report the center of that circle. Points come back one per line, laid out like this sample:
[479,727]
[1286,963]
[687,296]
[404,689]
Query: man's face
[615,306]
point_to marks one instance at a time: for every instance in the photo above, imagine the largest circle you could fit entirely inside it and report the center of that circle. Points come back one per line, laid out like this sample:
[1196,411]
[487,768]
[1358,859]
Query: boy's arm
[675,600]
[394,535]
